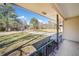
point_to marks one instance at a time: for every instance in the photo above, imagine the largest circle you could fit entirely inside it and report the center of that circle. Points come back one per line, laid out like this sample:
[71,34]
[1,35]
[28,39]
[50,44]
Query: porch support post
[57,18]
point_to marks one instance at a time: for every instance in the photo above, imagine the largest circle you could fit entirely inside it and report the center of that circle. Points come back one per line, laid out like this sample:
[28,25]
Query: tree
[6,11]
[34,24]
[8,17]
[2,23]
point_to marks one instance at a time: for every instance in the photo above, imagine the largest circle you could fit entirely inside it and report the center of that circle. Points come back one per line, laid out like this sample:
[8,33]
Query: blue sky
[26,15]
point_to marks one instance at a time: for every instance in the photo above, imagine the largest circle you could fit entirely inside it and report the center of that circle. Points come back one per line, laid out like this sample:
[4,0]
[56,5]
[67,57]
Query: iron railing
[48,47]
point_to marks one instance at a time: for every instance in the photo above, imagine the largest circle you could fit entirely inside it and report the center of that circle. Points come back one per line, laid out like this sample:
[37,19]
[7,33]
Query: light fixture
[44,13]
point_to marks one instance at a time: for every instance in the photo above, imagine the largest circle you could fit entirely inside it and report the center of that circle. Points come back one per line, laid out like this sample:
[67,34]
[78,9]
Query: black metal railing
[48,47]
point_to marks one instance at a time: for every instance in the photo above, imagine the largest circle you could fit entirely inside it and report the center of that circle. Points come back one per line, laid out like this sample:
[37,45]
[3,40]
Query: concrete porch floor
[68,48]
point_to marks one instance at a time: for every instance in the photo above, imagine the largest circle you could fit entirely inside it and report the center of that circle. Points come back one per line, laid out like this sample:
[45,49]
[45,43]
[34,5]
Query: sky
[27,15]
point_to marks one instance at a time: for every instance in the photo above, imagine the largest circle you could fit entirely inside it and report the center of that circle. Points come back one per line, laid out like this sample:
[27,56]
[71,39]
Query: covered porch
[68,15]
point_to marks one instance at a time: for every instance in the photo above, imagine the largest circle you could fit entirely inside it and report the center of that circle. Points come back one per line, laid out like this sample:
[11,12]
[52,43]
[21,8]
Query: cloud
[22,17]
[41,21]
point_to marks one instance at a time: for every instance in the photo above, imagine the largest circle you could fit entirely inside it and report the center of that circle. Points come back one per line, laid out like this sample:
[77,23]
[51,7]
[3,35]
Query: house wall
[71,29]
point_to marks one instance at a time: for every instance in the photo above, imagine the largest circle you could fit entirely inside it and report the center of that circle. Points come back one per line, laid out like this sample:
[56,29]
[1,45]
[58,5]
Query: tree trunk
[7,25]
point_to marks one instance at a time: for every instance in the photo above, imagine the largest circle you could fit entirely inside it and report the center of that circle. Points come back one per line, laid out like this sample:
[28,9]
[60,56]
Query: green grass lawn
[13,41]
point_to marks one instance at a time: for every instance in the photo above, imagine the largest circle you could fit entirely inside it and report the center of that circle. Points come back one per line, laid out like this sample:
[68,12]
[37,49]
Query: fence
[48,47]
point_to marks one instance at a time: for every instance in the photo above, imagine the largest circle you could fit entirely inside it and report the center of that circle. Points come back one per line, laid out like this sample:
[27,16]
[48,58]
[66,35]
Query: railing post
[46,50]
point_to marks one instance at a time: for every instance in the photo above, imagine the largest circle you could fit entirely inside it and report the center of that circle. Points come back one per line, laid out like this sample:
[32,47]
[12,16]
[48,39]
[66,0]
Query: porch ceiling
[50,10]
[43,9]
[68,10]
